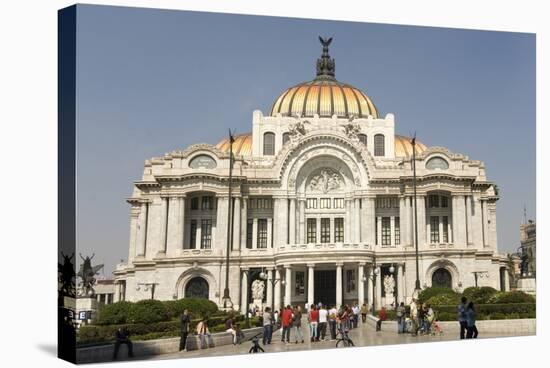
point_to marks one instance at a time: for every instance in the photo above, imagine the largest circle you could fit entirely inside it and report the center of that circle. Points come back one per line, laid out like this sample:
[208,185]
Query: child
[436,327]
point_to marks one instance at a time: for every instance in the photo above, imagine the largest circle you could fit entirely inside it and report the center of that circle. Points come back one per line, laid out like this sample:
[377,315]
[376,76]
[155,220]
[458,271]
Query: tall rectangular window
[262,233]
[397,231]
[324,203]
[379,145]
[207,203]
[350,280]
[339,230]
[249,232]
[193,234]
[433,201]
[386,231]
[300,283]
[445,223]
[195,203]
[206,234]
[325,230]
[311,203]
[434,229]
[311,230]
[444,201]
[338,202]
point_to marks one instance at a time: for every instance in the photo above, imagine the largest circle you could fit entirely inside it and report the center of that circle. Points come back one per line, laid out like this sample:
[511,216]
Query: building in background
[322,203]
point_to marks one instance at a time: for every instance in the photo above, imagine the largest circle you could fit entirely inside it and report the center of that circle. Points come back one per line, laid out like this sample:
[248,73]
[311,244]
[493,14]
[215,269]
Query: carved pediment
[325,180]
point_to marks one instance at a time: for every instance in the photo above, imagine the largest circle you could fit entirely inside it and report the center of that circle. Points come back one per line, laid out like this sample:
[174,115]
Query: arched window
[286,138]
[362,138]
[379,145]
[442,278]
[197,287]
[269,144]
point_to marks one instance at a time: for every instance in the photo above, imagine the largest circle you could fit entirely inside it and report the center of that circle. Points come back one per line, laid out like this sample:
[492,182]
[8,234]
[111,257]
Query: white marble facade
[319,201]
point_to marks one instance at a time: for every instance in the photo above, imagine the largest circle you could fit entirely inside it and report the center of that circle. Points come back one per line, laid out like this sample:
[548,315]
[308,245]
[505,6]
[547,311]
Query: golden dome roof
[324,95]
[325,98]
[243,145]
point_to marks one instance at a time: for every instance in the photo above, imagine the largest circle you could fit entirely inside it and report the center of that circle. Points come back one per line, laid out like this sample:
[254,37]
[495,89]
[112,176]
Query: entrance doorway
[325,287]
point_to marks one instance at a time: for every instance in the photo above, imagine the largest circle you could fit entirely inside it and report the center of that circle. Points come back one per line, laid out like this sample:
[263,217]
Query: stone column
[348,223]
[302,220]
[400,283]
[292,222]
[255,233]
[357,221]
[221,235]
[142,235]
[173,226]
[364,232]
[310,284]
[244,222]
[288,284]
[163,225]
[421,208]
[269,284]
[339,284]
[378,303]
[277,291]
[361,284]
[379,230]
[281,222]
[485,217]
[459,224]
[181,223]
[244,290]
[332,230]
[370,220]
[469,232]
[440,225]
[477,223]
[270,233]
[198,235]
[237,224]
[506,280]
[134,224]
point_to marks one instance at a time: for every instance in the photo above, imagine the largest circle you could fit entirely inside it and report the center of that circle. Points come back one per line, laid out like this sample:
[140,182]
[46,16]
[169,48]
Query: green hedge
[431,292]
[479,295]
[94,334]
[151,311]
[512,297]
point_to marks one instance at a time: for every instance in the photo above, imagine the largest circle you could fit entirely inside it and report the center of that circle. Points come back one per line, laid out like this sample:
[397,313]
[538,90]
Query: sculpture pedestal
[88,305]
[257,303]
[528,285]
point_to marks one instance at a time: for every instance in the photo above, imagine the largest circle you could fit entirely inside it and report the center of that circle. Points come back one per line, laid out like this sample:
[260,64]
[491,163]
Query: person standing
[461,309]
[268,326]
[332,315]
[400,315]
[355,310]
[185,321]
[364,310]
[313,318]
[323,319]
[286,319]
[414,317]
[230,327]
[382,316]
[297,324]
[471,321]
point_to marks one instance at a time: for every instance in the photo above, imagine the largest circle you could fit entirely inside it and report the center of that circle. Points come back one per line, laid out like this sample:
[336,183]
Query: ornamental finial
[325,65]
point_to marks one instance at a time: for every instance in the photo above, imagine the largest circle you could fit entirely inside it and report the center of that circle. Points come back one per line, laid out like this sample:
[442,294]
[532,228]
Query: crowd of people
[324,323]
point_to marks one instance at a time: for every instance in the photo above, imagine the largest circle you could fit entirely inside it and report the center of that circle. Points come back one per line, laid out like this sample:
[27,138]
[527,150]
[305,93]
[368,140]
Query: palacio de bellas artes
[320,202]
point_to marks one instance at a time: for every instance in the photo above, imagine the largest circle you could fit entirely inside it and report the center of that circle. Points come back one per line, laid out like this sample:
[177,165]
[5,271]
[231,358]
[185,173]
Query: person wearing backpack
[400,315]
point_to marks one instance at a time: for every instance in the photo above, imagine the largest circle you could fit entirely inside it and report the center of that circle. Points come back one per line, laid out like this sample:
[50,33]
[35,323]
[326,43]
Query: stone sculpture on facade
[326,181]
[87,274]
[389,287]
[258,287]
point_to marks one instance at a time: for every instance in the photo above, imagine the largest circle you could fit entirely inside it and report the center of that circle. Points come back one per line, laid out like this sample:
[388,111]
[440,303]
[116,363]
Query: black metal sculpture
[87,274]
[66,276]
[326,66]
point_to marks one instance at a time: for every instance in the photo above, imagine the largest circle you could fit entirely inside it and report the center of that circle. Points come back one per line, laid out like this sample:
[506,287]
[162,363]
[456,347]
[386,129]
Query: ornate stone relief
[326,181]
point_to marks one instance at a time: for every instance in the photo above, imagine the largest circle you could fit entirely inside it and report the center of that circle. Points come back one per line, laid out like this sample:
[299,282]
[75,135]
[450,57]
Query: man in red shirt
[286,319]
[382,316]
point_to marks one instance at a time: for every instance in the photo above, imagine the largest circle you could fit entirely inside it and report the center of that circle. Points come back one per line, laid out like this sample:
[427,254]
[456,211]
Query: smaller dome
[241,146]
[404,148]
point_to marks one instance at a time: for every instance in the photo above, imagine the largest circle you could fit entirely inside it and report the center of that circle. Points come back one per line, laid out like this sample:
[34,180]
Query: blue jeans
[313,330]
[268,332]
[400,324]
[298,333]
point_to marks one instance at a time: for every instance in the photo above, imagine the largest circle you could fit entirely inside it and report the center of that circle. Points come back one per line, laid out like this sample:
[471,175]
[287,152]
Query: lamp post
[147,286]
[372,276]
[227,303]
[417,282]
[249,275]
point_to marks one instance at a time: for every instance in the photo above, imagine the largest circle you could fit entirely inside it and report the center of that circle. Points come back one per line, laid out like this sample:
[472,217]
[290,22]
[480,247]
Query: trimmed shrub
[116,313]
[444,299]
[511,297]
[148,311]
[427,293]
[196,307]
[479,295]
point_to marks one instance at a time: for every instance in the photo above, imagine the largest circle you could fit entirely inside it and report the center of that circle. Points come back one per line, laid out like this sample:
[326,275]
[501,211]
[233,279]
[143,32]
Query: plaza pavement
[363,335]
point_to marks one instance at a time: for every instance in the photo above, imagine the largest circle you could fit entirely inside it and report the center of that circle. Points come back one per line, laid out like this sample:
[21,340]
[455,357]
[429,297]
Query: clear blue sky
[153,81]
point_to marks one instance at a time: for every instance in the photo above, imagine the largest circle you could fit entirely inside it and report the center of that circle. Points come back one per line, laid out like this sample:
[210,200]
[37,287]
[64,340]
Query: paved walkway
[363,335]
